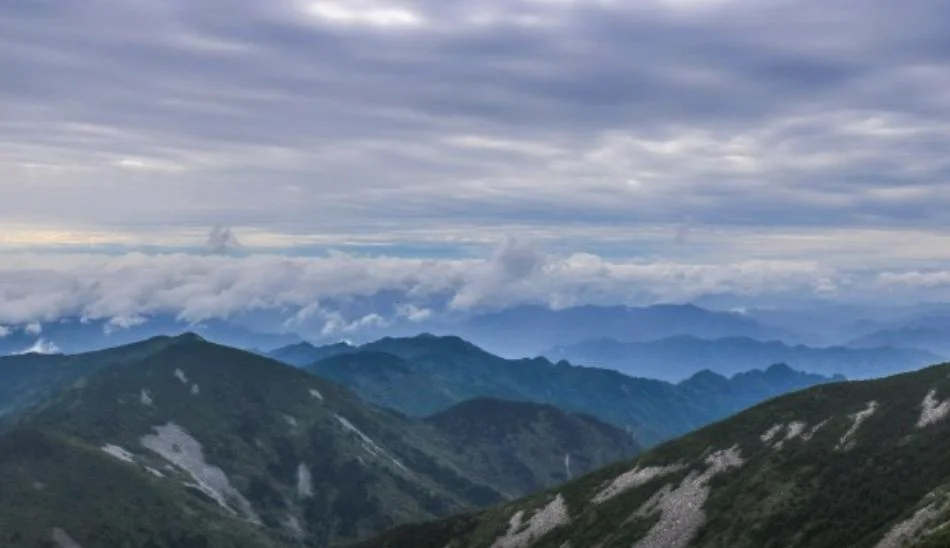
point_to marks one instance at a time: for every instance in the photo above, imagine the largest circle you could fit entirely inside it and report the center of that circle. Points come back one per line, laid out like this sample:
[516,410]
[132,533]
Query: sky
[209,157]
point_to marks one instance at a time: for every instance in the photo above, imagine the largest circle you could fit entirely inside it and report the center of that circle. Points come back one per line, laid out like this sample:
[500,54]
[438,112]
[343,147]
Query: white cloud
[689,146]
[362,13]
[126,289]
[413,313]
[117,323]
[41,347]
[4,331]
[33,328]
[915,279]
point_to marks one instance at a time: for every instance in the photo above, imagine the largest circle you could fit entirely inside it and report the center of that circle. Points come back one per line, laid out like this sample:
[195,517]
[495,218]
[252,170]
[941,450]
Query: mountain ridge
[442,371]
[848,464]
[235,436]
[675,358]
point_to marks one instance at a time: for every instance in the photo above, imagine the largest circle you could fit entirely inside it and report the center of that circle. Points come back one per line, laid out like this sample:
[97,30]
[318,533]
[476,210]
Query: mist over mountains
[676,358]
[668,342]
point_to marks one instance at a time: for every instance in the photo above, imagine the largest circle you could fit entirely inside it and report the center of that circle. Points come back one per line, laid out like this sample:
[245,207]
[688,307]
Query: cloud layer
[342,293]
[307,116]
[664,148]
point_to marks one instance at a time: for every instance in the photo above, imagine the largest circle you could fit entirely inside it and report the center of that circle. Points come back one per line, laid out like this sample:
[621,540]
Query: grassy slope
[807,493]
[51,481]
[529,445]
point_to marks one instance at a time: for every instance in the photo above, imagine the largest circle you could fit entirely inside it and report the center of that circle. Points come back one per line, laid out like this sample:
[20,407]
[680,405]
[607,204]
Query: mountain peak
[188,337]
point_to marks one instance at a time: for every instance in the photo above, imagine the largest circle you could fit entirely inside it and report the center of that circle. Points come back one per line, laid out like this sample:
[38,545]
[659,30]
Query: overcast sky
[558,151]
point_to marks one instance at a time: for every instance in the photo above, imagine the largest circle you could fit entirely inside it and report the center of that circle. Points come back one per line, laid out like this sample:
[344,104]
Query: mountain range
[185,443]
[932,334]
[676,358]
[856,464]
[540,328]
[181,442]
[443,371]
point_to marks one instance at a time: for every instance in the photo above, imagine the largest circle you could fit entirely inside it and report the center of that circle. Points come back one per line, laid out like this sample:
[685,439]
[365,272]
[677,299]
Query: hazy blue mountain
[304,353]
[930,333]
[178,442]
[427,374]
[857,464]
[676,358]
[530,330]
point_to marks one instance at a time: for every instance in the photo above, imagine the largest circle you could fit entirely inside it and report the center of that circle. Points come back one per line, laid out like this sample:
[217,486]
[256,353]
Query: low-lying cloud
[327,291]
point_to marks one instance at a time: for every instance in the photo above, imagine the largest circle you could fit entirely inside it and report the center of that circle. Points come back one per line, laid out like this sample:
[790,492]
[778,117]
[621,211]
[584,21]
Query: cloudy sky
[207,156]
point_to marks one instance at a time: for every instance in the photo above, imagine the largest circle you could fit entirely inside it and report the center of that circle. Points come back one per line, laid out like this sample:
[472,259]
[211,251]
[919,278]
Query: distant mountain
[538,329]
[676,358]
[304,353]
[178,442]
[931,334]
[73,335]
[427,374]
[858,464]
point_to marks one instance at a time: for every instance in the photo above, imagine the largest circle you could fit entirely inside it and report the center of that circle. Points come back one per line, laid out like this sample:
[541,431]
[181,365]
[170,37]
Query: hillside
[676,358]
[264,454]
[856,464]
[529,443]
[442,371]
[27,379]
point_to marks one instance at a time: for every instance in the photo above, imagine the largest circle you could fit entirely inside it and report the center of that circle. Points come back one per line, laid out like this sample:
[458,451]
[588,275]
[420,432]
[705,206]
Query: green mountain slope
[25,380]
[442,371]
[859,464]
[527,445]
[184,429]
[55,488]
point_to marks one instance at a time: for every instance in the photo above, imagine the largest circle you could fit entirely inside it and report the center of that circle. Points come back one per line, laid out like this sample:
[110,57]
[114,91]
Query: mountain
[856,464]
[676,358]
[76,335]
[26,379]
[440,372]
[304,353]
[933,337]
[539,328]
[181,442]
[529,443]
